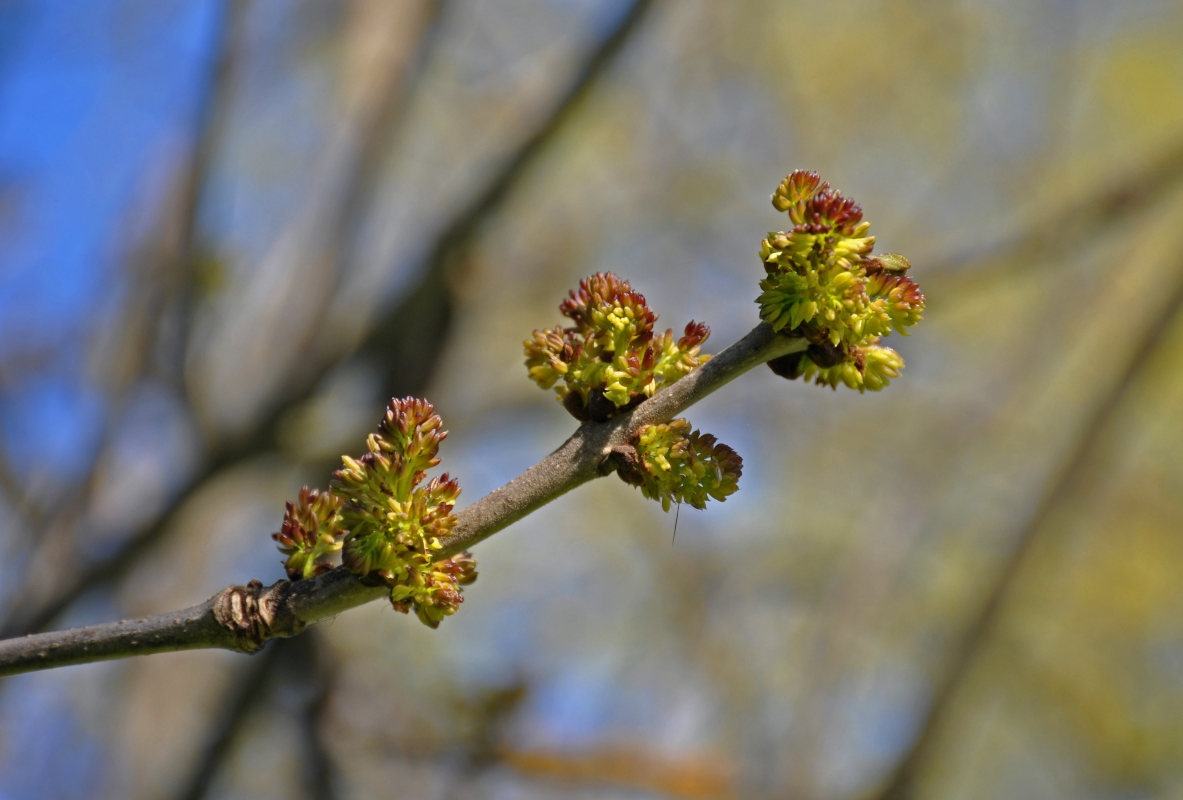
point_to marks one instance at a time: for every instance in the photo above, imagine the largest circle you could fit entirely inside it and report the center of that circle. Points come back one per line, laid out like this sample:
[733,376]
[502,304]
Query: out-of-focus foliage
[189,258]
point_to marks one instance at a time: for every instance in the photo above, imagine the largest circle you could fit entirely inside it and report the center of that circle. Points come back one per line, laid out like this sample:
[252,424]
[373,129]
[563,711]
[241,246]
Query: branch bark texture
[244,618]
[420,309]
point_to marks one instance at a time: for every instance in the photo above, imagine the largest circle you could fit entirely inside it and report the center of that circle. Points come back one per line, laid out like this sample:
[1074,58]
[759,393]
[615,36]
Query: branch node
[249,613]
[622,458]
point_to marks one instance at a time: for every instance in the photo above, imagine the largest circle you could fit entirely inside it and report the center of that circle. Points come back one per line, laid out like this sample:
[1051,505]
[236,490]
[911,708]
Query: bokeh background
[230,229]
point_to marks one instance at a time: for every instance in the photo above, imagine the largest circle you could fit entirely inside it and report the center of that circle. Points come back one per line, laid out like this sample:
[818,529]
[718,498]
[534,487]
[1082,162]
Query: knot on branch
[623,458]
[249,613]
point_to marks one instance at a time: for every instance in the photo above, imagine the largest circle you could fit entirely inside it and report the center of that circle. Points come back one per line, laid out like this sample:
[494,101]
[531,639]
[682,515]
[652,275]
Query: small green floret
[610,358]
[869,367]
[311,533]
[675,464]
[394,523]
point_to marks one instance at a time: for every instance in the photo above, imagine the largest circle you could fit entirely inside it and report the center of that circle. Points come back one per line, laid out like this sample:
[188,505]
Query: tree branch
[161,274]
[189,629]
[420,309]
[582,457]
[244,618]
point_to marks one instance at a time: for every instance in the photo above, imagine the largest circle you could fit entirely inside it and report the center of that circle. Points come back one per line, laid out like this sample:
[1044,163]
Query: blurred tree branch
[320,770]
[245,618]
[1075,221]
[423,308]
[212,117]
[441,257]
[1068,478]
[161,271]
[251,690]
[247,693]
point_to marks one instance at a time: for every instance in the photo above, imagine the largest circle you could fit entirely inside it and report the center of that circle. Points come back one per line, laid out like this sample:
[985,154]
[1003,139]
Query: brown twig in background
[421,305]
[247,692]
[250,690]
[1101,211]
[163,268]
[1068,477]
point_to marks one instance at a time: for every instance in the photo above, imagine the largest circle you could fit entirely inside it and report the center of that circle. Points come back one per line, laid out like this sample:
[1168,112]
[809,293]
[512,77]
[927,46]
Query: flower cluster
[610,358]
[394,523]
[823,284]
[311,534]
[382,519]
[672,463]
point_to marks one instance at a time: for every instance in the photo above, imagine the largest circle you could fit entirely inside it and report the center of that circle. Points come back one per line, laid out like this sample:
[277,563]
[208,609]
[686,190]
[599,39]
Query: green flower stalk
[823,284]
[394,523]
[674,464]
[610,359]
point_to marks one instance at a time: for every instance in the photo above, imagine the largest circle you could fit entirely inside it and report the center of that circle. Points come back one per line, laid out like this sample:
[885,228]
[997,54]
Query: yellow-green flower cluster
[610,359]
[823,284]
[394,523]
[675,464]
[311,533]
[864,367]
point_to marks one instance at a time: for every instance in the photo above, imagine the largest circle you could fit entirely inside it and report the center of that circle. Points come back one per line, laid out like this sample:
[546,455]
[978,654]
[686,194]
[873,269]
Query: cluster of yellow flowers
[383,520]
[675,464]
[823,284]
[610,359]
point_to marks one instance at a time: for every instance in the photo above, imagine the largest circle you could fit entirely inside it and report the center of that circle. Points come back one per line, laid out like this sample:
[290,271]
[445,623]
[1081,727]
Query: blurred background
[230,230]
